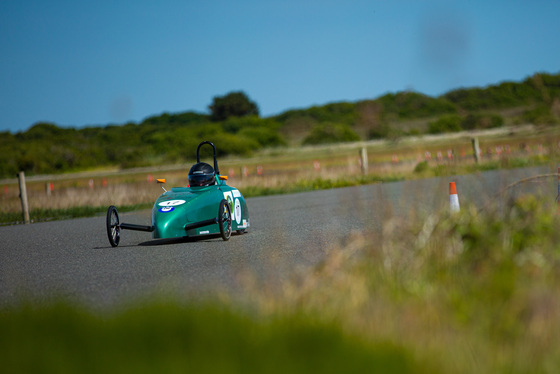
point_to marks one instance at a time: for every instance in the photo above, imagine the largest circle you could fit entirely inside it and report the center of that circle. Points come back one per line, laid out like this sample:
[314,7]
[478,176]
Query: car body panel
[182,206]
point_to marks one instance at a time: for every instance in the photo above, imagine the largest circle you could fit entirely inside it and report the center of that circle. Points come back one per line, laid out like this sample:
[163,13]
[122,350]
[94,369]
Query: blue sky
[86,63]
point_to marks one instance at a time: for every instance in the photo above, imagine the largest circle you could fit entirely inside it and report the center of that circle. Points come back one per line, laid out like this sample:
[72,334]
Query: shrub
[234,104]
[482,121]
[234,144]
[266,137]
[415,105]
[449,123]
[380,131]
[325,133]
[336,113]
[540,115]
[421,167]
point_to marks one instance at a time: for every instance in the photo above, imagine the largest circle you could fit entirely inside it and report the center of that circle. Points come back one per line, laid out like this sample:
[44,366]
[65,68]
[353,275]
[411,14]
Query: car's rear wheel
[224,220]
[113,228]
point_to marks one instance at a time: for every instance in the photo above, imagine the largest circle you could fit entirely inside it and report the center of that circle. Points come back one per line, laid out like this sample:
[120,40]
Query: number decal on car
[172,203]
[237,211]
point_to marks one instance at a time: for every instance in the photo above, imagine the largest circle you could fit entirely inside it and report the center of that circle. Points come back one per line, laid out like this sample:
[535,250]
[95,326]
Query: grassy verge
[314,184]
[424,170]
[40,215]
[199,339]
[477,290]
[473,292]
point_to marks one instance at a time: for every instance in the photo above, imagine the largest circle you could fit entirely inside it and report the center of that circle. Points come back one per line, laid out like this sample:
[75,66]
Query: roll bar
[215,158]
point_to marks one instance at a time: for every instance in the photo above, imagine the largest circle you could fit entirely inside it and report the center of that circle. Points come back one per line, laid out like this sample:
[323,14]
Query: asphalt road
[73,259]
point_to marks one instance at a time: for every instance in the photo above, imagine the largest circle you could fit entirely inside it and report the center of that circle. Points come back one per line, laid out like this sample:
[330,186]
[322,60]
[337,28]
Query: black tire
[224,220]
[113,228]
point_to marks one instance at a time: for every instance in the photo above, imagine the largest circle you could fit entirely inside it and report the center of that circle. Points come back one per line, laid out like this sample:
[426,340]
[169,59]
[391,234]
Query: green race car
[208,206]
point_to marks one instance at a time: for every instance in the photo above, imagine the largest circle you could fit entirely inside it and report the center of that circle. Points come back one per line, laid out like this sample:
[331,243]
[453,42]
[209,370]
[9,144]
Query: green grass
[473,292]
[424,170]
[168,338]
[39,215]
[477,290]
[314,184]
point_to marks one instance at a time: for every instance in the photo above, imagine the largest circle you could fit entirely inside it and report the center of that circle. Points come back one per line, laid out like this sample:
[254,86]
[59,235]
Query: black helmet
[202,174]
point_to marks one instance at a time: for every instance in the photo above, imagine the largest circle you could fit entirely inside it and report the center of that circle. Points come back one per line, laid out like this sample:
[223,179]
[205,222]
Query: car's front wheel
[224,220]
[113,226]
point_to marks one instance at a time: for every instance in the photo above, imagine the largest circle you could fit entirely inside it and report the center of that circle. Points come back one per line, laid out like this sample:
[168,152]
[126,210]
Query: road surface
[72,259]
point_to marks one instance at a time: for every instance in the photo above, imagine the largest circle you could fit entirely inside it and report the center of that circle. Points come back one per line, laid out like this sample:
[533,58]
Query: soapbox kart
[208,206]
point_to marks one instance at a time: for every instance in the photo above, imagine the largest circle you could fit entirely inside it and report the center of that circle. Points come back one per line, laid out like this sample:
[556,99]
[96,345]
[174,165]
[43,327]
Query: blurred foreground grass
[167,338]
[473,292]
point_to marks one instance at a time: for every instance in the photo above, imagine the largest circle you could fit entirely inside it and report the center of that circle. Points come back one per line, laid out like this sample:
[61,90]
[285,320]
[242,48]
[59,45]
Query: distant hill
[171,138]
[535,100]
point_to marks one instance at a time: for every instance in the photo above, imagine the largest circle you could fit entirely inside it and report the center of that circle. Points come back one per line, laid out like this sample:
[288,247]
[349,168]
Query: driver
[201,175]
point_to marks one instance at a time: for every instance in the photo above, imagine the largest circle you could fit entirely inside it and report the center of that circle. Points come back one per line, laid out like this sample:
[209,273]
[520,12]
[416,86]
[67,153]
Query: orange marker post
[453,198]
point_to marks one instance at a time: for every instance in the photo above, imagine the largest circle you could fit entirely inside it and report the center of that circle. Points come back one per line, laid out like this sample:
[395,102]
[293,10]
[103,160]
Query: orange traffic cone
[453,198]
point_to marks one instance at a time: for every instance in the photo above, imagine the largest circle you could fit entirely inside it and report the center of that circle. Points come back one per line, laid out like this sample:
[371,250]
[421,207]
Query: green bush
[325,133]
[379,131]
[265,137]
[407,105]
[507,94]
[449,123]
[234,104]
[228,144]
[482,121]
[342,112]
[541,115]
[235,124]
[176,119]
[421,167]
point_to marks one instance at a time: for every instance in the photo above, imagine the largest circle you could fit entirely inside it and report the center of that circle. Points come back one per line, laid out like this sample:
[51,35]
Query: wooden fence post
[364,160]
[23,197]
[476,149]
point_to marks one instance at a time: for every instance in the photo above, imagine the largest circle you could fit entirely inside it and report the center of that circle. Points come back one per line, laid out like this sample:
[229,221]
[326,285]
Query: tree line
[235,125]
